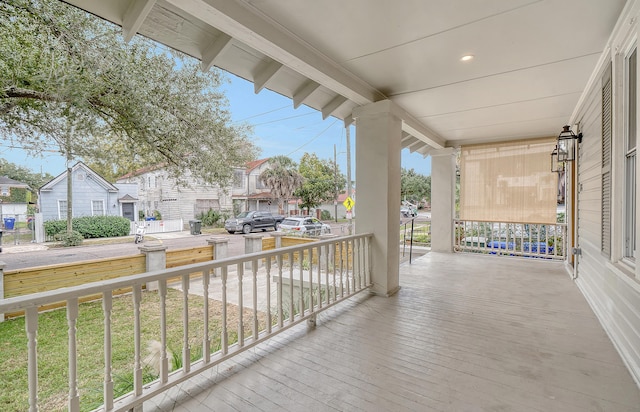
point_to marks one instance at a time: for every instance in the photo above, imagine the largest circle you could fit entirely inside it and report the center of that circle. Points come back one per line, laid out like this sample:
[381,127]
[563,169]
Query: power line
[261,114]
[284,118]
[312,139]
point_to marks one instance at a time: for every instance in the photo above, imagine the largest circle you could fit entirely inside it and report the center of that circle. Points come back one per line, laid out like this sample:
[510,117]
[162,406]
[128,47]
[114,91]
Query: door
[127,211]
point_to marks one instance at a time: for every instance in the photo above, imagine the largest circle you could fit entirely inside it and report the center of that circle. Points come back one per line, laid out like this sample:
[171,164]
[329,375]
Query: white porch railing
[547,241]
[282,287]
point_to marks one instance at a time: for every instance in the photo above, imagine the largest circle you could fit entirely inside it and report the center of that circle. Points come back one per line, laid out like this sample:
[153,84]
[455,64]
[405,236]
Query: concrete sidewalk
[32,246]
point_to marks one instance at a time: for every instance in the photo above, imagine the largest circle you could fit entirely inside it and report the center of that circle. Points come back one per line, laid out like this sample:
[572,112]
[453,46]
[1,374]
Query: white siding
[613,293]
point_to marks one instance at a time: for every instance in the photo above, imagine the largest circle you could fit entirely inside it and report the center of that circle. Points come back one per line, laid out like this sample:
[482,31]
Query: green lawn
[53,352]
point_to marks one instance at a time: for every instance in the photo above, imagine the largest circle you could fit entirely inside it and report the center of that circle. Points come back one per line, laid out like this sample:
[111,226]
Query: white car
[304,226]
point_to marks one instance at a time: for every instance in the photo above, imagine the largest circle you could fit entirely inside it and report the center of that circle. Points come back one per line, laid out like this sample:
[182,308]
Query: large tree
[282,178]
[69,80]
[322,181]
[34,179]
[414,186]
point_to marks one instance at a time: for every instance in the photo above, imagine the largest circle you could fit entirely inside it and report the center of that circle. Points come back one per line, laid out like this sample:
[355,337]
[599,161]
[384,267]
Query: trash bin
[195,226]
[9,222]
[150,218]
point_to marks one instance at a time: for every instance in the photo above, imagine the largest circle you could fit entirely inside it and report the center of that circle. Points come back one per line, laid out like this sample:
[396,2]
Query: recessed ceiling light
[466,57]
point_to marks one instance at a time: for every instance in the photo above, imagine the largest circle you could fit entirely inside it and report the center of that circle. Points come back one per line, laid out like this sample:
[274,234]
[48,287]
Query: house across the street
[92,195]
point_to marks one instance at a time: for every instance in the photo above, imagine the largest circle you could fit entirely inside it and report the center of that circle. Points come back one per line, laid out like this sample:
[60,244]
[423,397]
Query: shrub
[70,239]
[325,215]
[210,218]
[91,226]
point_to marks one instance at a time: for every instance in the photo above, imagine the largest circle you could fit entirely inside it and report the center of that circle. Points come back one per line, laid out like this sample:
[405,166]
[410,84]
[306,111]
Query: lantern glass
[567,145]
[556,166]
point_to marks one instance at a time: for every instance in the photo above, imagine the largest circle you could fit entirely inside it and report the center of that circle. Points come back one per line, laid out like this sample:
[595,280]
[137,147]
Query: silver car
[304,226]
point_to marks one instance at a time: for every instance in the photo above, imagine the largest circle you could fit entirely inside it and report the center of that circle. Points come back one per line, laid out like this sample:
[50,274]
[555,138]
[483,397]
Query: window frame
[93,208]
[628,156]
[60,208]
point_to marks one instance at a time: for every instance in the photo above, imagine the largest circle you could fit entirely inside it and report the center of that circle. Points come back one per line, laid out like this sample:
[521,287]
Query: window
[259,183]
[97,207]
[62,209]
[238,179]
[629,205]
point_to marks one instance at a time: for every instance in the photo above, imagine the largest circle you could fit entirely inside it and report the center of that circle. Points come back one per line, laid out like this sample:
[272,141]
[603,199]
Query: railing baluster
[291,297]
[186,350]
[240,269]
[320,258]
[301,280]
[268,292]
[206,341]
[72,321]
[327,255]
[224,338]
[107,307]
[164,361]
[137,364]
[341,269]
[280,290]
[254,273]
[31,327]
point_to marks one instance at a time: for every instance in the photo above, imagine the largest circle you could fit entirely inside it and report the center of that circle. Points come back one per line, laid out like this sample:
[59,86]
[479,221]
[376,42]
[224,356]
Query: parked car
[246,222]
[304,226]
[406,212]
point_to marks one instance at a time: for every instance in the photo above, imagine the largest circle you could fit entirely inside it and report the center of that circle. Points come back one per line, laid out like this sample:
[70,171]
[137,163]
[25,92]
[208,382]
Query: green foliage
[68,79]
[157,215]
[91,226]
[72,238]
[321,181]
[210,218]
[325,215]
[282,178]
[16,195]
[22,174]
[140,214]
[414,186]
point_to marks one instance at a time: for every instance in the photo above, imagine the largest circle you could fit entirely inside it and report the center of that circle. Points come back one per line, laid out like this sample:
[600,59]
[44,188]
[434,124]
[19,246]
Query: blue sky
[278,130]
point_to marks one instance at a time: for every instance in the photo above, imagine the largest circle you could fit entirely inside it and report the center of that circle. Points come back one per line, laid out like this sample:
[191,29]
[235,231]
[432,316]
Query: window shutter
[606,162]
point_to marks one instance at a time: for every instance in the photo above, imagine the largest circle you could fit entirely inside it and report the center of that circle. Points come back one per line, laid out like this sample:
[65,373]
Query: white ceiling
[533,58]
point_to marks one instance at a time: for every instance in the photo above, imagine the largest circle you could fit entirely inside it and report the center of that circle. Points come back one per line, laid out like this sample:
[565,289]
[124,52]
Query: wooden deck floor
[465,333]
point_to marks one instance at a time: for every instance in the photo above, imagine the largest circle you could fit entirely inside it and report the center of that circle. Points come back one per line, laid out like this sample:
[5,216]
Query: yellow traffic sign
[348,203]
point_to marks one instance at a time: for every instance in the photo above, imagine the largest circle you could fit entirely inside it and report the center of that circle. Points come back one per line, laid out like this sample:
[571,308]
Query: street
[33,255]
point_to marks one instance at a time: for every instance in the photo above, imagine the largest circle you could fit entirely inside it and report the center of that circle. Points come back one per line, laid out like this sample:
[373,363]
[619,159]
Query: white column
[378,135]
[443,190]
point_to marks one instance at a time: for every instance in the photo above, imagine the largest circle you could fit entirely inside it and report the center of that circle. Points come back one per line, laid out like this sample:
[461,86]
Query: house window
[259,183]
[238,179]
[629,204]
[5,191]
[97,207]
[62,209]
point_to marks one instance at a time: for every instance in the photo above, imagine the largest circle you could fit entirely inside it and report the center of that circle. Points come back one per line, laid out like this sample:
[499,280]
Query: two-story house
[159,195]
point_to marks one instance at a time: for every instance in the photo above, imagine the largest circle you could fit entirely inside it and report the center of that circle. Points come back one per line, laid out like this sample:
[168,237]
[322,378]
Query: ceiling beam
[262,77]
[134,17]
[246,24]
[332,106]
[305,91]
[215,49]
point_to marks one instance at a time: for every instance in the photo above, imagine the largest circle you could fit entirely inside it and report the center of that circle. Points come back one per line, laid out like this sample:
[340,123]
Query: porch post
[378,136]
[443,183]
[156,259]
